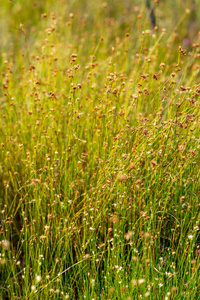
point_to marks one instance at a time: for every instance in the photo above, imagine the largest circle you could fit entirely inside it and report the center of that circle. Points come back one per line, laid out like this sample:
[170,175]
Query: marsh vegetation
[99,150]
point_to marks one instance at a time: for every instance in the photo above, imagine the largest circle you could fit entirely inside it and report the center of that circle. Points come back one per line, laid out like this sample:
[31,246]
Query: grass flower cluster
[99,150]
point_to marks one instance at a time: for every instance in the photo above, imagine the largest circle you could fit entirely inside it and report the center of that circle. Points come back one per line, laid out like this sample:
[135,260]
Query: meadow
[99,150]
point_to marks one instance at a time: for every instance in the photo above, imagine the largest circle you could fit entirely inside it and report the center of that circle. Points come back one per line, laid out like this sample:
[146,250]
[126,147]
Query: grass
[100,150]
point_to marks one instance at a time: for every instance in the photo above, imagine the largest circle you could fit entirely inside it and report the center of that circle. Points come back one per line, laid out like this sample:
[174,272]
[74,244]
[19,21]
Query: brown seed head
[122,177]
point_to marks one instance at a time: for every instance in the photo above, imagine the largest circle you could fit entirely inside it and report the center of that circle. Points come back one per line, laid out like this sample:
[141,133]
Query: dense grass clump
[99,150]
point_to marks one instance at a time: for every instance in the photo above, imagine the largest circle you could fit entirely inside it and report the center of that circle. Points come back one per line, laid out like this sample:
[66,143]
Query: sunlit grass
[100,140]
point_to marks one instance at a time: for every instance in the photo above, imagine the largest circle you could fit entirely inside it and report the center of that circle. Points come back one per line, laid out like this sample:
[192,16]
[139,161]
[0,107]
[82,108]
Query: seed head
[141,281]
[122,177]
[5,244]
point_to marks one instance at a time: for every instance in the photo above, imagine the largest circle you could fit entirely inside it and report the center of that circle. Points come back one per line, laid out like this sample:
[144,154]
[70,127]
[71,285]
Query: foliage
[99,150]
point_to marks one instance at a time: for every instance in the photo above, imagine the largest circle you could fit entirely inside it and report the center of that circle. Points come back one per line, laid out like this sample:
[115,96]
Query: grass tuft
[99,150]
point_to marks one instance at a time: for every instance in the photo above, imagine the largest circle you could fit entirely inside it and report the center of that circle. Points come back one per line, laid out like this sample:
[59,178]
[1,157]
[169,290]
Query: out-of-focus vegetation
[99,150]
